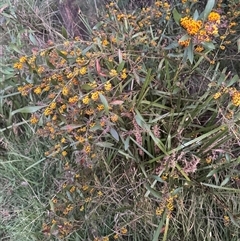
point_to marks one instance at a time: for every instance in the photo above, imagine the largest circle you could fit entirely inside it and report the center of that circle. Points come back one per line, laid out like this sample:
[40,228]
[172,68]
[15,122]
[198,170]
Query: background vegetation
[124,124]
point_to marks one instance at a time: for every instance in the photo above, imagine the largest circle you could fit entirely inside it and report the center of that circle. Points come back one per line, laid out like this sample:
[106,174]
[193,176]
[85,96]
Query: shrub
[142,104]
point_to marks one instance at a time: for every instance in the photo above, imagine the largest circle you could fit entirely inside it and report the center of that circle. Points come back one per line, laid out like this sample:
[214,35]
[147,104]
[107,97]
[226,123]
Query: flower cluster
[190,25]
[200,32]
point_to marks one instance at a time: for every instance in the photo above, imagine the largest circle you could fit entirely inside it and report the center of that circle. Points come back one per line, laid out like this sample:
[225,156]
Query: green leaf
[87,49]
[105,103]
[64,33]
[208,8]
[120,56]
[86,87]
[172,46]
[51,205]
[234,80]
[114,134]
[27,109]
[159,228]
[225,181]
[234,190]
[15,48]
[120,66]
[152,191]
[61,54]
[208,45]
[158,178]
[104,144]
[190,55]
[144,88]
[126,143]
[49,64]
[69,196]
[176,16]
[238,45]
[33,39]
[196,15]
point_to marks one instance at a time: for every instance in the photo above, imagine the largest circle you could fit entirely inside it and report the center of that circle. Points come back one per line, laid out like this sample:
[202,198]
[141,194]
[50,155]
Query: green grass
[151,154]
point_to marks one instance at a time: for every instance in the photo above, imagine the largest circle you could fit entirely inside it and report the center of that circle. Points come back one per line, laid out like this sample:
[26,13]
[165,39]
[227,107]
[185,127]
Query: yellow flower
[229,114]
[226,220]
[64,153]
[114,118]
[34,119]
[62,108]
[88,199]
[107,86]
[208,160]
[199,49]
[47,88]
[236,98]
[40,69]
[95,96]
[159,211]
[70,75]
[217,95]
[184,43]
[113,39]
[105,238]
[170,206]
[192,26]
[212,61]
[124,74]
[23,59]
[99,193]
[115,236]
[65,91]
[77,176]
[54,221]
[86,100]
[37,90]
[73,188]
[81,208]
[54,117]
[80,60]
[105,42]
[85,187]
[87,148]
[100,107]
[81,139]
[113,73]
[124,230]
[93,84]
[222,47]
[158,3]
[73,100]
[47,111]
[83,71]
[214,17]
[63,140]
[89,112]
[18,65]
[92,124]
[53,105]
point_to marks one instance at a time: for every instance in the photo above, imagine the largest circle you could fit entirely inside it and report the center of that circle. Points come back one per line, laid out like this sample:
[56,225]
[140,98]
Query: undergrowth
[132,134]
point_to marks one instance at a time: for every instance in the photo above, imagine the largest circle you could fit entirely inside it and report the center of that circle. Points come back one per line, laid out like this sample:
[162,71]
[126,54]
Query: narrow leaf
[27,109]
[176,16]
[105,103]
[114,134]
[64,33]
[208,8]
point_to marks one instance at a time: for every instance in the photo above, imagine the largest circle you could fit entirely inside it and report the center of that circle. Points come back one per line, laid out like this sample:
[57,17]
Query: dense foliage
[130,134]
